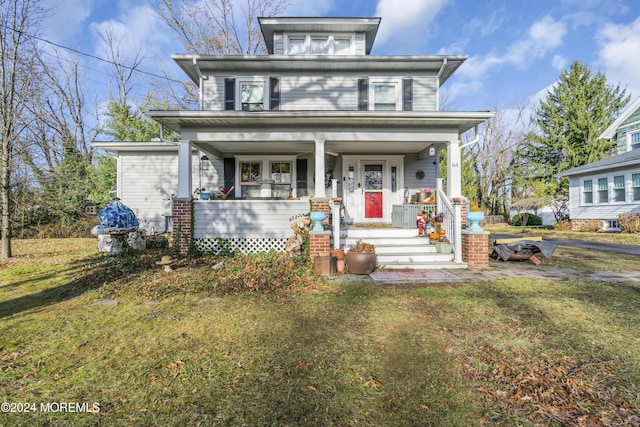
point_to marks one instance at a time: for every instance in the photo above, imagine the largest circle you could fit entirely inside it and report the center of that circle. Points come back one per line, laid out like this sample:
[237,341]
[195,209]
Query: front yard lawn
[261,342]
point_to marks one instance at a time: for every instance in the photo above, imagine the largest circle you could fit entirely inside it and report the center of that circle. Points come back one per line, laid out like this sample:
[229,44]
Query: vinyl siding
[328,93]
[278,44]
[632,124]
[299,93]
[425,93]
[412,165]
[603,211]
[213,93]
[360,44]
[147,182]
[246,218]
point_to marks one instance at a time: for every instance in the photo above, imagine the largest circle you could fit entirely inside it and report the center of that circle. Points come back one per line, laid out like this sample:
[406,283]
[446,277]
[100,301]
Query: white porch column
[319,187]
[184,170]
[454,169]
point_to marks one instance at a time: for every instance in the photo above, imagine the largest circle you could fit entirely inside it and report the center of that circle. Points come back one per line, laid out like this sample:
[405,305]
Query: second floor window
[635,140]
[384,96]
[255,94]
[252,96]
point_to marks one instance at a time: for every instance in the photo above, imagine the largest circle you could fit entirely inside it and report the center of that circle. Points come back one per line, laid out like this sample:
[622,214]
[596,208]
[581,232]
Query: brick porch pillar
[182,216]
[319,243]
[463,210]
[475,248]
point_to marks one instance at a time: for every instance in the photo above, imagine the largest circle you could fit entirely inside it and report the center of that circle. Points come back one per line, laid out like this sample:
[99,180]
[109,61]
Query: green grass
[293,350]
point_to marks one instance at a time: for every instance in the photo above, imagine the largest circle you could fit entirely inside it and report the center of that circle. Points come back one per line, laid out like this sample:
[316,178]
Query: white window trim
[265,172]
[631,187]
[331,40]
[613,189]
[582,200]
[265,87]
[629,137]
[373,81]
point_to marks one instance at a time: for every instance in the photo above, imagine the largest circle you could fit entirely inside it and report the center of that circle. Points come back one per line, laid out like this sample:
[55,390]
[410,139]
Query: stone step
[397,258]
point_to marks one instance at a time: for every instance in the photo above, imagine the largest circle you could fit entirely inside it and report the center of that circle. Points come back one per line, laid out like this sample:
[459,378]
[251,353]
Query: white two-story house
[604,189]
[318,117]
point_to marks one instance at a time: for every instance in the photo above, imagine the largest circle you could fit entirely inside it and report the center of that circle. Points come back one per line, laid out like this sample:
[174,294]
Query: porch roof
[179,121]
[223,133]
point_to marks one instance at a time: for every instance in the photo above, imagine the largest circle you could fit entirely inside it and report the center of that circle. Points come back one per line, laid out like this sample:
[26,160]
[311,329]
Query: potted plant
[443,245]
[474,216]
[361,258]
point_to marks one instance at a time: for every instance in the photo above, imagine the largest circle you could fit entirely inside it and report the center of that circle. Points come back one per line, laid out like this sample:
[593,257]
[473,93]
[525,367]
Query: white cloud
[66,18]
[407,21]
[544,36]
[559,62]
[619,53]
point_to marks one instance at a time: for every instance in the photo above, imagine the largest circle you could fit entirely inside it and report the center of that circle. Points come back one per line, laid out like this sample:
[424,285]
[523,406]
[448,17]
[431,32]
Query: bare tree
[19,20]
[227,27]
[122,66]
[493,157]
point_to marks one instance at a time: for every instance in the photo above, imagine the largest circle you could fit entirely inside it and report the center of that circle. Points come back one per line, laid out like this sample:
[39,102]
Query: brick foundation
[181,233]
[319,242]
[475,249]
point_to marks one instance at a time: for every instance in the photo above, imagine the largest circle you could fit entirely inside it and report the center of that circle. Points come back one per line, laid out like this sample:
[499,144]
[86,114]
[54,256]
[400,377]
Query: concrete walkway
[599,246]
[499,270]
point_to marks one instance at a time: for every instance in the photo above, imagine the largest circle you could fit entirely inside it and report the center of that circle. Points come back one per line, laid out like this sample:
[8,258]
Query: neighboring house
[601,190]
[281,128]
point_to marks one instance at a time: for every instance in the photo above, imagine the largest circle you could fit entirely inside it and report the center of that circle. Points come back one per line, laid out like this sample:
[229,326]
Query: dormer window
[319,44]
[297,45]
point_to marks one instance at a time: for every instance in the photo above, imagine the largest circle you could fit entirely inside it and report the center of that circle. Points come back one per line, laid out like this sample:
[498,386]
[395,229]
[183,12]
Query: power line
[92,56]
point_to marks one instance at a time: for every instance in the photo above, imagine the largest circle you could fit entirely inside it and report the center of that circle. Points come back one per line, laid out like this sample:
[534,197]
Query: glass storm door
[373,191]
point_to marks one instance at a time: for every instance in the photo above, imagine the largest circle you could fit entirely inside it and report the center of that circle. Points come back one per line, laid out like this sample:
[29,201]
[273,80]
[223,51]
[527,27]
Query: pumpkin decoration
[434,236]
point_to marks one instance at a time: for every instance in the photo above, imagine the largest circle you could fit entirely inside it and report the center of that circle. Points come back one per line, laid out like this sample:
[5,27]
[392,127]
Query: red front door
[373,191]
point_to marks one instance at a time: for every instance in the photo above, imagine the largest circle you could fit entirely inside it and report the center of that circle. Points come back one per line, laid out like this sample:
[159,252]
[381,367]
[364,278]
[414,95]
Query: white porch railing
[451,220]
[247,226]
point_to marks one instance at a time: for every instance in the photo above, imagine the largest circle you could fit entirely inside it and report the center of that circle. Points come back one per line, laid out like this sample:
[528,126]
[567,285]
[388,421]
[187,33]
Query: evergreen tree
[569,121]
[127,123]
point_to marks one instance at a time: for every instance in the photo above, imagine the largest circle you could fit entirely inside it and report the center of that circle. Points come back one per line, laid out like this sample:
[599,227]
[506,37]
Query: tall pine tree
[580,107]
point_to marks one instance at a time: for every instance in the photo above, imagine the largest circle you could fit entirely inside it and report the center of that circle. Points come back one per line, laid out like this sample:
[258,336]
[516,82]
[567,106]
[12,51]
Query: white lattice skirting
[243,245]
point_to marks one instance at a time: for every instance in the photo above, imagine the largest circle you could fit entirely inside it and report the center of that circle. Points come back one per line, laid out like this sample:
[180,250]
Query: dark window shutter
[229,94]
[363,94]
[230,175]
[274,93]
[407,94]
[301,178]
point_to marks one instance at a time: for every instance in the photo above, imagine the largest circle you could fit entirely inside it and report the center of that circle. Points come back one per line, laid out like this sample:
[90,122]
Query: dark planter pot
[360,263]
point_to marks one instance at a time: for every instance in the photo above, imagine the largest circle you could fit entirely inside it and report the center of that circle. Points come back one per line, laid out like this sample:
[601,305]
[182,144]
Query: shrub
[629,222]
[589,225]
[531,220]
[563,225]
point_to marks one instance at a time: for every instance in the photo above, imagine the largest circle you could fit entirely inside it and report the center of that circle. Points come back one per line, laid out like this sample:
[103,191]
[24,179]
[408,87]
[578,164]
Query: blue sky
[516,48]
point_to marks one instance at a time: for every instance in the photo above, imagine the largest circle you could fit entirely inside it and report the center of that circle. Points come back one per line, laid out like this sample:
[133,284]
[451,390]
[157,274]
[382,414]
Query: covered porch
[282,160]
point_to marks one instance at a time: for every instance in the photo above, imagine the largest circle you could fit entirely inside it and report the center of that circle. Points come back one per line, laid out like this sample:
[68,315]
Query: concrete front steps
[399,248]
